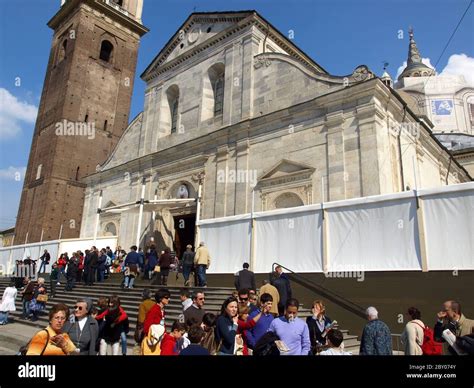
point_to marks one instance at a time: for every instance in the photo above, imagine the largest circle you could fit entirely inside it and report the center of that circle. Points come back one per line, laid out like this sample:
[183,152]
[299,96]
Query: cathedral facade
[234,107]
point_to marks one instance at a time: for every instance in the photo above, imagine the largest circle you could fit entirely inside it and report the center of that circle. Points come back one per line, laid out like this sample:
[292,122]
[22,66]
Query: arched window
[62,51]
[219,95]
[106,49]
[173,102]
[110,229]
[174,114]
[213,92]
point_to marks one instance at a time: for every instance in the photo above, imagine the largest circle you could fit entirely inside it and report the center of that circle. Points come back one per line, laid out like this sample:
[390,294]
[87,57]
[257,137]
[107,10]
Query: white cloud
[460,64]
[13,112]
[426,61]
[13,173]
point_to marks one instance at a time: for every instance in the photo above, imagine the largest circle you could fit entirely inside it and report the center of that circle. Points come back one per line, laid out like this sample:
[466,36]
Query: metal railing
[397,345]
[326,293]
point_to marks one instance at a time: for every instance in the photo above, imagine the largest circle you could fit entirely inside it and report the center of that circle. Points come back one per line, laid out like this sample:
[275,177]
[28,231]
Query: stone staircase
[131,299]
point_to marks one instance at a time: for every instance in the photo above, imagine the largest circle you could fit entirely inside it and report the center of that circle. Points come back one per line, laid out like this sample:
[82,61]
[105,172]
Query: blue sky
[339,35]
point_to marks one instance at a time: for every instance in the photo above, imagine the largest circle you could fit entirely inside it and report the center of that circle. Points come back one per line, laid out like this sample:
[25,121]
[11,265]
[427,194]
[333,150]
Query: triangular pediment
[109,204]
[206,29]
[286,168]
[197,29]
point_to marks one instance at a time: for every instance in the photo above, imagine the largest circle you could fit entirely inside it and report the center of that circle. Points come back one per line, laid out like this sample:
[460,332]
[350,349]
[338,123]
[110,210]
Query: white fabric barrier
[228,241]
[449,229]
[377,233]
[291,237]
[75,245]
[4,260]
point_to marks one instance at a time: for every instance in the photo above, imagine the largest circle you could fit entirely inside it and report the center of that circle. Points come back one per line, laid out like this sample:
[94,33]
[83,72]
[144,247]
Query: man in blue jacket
[376,338]
[262,325]
[132,261]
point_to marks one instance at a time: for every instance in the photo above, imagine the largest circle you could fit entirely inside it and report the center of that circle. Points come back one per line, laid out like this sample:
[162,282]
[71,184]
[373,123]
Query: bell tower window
[106,50]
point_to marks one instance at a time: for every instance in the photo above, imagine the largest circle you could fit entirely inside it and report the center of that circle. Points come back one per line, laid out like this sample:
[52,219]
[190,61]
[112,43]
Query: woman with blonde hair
[52,341]
[318,324]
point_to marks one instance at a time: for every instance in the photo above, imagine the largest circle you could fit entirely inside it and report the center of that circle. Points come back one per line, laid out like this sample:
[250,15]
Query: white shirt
[82,322]
[187,304]
[335,352]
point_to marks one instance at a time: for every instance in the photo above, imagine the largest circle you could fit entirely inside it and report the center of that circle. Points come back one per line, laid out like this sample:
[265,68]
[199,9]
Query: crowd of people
[96,265]
[248,323]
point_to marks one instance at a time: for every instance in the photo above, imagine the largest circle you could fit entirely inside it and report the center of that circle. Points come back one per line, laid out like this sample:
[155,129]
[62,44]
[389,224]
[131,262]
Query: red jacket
[168,345]
[153,317]
[122,317]
[242,328]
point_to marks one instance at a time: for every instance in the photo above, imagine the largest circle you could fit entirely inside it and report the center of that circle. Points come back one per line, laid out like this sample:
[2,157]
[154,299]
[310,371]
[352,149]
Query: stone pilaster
[220,196]
[242,188]
[335,156]
[250,49]
[368,151]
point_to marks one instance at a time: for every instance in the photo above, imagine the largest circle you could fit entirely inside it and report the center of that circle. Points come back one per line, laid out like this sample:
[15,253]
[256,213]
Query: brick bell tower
[83,111]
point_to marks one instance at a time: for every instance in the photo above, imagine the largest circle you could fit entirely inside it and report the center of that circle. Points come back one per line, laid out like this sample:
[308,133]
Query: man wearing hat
[187,262]
[82,328]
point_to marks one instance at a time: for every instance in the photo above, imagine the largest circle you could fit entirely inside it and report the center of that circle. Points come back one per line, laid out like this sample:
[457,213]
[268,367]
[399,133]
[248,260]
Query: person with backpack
[413,335]
[187,262]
